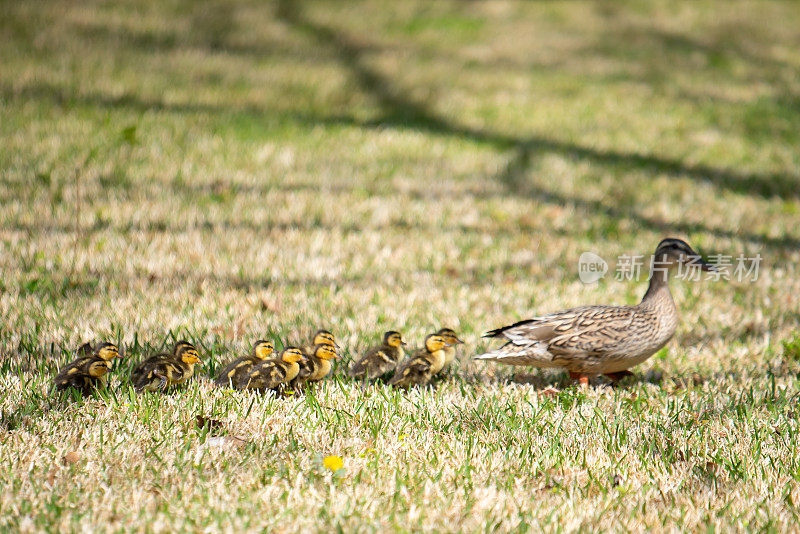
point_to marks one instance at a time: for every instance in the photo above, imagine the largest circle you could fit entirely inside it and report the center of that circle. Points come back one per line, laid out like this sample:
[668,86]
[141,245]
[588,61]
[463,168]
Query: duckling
[593,340]
[450,336]
[160,371]
[380,359]
[179,345]
[315,367]
[274,373]
[262,350]
[423,364]
[88,370]
[320,337]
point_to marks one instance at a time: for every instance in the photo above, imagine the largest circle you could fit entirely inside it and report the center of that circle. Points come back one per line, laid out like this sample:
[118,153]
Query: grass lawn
[224,171]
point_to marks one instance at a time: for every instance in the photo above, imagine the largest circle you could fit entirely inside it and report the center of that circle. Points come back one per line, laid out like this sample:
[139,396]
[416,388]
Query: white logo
[591,267]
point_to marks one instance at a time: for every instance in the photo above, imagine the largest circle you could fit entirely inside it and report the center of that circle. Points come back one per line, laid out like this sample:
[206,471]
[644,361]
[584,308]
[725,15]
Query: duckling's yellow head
[435,342]
[393,339]
[325,351]
[180,345]
[263,349]
[671,253]
[108,351]
[323,336]
[450,336]
[292,355]
[188,354]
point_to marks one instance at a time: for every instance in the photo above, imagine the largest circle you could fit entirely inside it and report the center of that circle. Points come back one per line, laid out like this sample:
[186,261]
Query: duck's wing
[412,370]
[237,367]
[73,374]
[154,372]
[267,375]
[307,367]
[145,366]
[376,361]
[72,368]
[594,330]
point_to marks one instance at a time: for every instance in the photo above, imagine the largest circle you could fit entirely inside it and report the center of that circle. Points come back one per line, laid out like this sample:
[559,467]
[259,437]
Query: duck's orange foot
[580,377]
[616,377]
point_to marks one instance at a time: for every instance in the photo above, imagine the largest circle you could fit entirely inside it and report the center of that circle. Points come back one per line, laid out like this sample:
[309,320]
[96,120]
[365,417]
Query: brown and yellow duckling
[380,359]
[321,337]
[88,370]
[423,364]
[316,366]
[274,373]
[231,373]
[452,340]
[161,371]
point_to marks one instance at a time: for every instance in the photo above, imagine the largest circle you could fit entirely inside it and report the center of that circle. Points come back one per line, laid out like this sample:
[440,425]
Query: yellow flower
[334,463]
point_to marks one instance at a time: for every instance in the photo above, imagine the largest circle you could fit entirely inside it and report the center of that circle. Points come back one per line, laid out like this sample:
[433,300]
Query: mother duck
[594,340]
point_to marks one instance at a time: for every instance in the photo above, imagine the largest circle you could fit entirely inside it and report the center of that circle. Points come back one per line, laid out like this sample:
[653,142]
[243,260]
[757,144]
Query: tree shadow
[399,110]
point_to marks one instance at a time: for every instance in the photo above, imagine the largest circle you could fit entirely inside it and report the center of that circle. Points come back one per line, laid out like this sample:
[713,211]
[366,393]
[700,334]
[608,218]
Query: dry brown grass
[230,171]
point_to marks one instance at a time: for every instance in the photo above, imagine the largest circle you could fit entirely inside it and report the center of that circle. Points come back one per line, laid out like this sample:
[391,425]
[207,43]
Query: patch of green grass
[231,171]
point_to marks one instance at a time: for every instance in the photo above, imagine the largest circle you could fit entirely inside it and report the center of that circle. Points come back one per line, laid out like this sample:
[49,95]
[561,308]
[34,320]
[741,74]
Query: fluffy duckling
[316,366]
[274,373]
[380,359]
[450,336]
[262,350]
[160,371]
[320,337]
[88,370]
[423,364]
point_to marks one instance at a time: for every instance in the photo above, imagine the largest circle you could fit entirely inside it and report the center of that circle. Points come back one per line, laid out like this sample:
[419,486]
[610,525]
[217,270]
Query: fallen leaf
[212,425]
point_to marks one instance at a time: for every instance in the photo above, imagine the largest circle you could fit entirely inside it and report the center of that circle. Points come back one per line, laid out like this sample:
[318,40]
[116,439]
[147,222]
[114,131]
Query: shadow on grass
[400,111]
[513,177]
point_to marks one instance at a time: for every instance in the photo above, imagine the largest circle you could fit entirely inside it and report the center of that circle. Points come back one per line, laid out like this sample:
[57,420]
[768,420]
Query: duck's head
[435,342]
[450,336]
[108,351]
[180,345]
[292,355]
[393,339]
[325,351]
[672,252]
[263,349]
[188,354]
[324,336]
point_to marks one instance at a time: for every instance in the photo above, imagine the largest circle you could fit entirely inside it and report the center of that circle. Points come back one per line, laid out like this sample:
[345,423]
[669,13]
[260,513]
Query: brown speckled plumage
[592,340]
[380,359]
[88,371]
